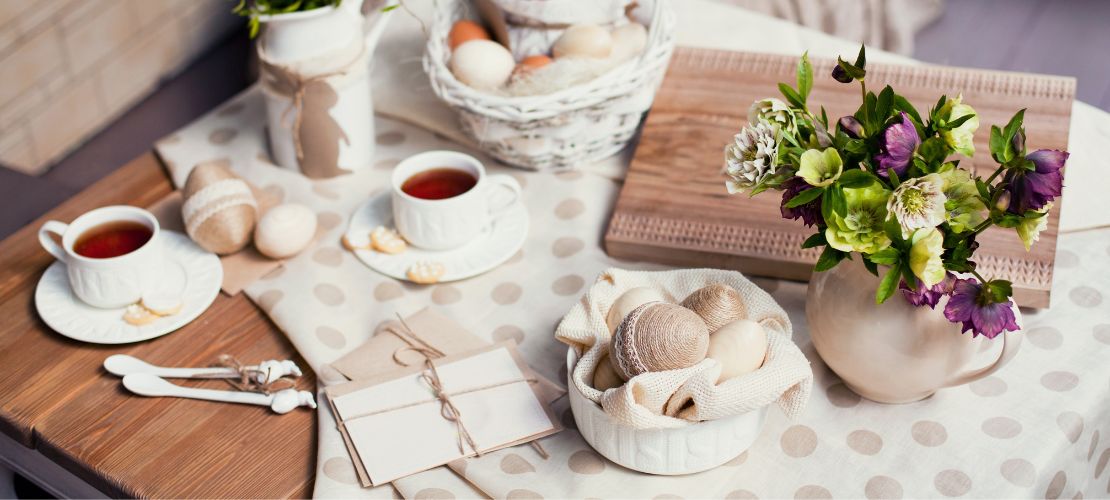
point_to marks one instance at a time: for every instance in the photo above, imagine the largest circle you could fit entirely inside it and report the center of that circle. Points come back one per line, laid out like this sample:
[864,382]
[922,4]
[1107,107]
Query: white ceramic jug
[893,352]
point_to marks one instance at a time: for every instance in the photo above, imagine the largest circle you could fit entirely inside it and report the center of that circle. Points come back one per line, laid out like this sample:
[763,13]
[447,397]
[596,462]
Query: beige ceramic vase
[894,352]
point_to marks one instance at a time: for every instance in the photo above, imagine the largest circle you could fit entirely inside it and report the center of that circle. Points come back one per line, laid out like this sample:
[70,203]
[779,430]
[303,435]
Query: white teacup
[451,222]
[107,282]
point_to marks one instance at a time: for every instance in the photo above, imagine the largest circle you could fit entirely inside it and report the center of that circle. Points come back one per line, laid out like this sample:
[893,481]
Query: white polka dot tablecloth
[1038,428]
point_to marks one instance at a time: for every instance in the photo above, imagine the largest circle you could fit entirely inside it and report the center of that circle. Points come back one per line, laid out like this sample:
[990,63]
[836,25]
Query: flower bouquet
[882,183]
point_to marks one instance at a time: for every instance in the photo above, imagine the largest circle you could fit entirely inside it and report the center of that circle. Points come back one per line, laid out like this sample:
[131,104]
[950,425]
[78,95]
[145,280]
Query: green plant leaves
[791,96]
[829,259]
[805,197]
[815,240]
[805,77]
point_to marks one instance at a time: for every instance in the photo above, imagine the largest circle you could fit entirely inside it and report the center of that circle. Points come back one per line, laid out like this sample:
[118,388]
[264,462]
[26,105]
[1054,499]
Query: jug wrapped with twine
[677,398]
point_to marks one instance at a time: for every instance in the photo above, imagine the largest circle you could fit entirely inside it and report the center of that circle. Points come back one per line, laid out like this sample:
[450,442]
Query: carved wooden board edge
[776,253]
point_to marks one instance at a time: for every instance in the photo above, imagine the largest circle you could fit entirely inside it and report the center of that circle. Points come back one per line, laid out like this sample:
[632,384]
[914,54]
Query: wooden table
[57,399]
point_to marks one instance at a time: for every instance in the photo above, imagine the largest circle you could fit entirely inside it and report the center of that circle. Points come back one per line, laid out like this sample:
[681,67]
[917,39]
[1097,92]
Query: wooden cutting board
[674,209]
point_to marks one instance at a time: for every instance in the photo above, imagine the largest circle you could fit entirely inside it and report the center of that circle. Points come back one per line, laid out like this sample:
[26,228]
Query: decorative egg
[717,304]
[534,62]
[605,377]
[740,347]
[465,31]
[584,40]
[658,336]
[285,230]
[219,209]
[629,41]
[482,64]
[628,301]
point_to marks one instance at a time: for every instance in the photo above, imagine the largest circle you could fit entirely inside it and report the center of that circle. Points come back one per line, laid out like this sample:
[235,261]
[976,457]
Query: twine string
[249,375]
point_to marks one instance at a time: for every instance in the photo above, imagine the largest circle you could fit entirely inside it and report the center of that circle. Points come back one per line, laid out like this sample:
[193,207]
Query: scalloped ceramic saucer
[492,248]
[199,270]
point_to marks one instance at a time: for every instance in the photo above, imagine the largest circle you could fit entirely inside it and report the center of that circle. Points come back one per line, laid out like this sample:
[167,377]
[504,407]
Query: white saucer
[69,316]
[489,250]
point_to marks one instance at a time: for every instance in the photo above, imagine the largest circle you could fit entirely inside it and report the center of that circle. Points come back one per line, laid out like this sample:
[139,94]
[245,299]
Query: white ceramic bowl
[685,450]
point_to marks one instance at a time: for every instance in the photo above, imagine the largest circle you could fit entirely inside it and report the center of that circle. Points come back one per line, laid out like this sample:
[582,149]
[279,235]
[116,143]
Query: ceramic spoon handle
[145,384]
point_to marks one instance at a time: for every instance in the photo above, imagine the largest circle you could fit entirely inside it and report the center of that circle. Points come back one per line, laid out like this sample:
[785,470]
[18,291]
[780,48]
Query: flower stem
[977,276]
[995,174]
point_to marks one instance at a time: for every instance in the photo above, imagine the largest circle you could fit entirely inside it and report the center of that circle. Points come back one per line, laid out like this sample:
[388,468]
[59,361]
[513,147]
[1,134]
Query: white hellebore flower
[774,112]
[752,156]
[918,203]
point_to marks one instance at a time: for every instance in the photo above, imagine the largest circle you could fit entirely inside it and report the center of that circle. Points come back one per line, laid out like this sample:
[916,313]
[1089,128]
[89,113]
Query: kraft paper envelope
[394,426]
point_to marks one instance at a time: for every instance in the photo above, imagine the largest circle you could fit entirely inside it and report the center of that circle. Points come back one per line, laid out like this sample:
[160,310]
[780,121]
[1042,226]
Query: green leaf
[792,96]
[887,286]
[816,240]
[887,256]
[829,258]
[856,72]
[871,267]
[901,104]
[856,178]
[855,146]
[907,274]
[805,197]
[885,103]
[893,176]
[390,7]
[984,189]
[957,122]
[1000,290]
[805,76]
[861,58]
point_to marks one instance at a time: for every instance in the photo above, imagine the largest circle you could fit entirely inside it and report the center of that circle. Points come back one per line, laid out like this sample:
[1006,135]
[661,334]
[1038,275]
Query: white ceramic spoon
[269,371]
[283,401]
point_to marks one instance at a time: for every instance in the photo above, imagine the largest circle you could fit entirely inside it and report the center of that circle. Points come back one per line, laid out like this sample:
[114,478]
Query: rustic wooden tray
[674,209]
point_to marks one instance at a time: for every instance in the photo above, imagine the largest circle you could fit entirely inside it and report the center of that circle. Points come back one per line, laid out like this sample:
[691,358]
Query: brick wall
[69,67]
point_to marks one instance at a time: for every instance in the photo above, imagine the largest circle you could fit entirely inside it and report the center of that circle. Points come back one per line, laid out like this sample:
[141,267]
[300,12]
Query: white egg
[285,230]
[605,377]
[584,40]
[629,41]
[740,347]
[482,64]
[628,301]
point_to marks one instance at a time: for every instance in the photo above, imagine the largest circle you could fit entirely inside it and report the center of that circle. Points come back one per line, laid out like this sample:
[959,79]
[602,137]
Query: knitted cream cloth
[657,399]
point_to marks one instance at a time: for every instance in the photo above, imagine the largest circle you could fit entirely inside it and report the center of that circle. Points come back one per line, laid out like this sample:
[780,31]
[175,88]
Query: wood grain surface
[674,208]
[55,397]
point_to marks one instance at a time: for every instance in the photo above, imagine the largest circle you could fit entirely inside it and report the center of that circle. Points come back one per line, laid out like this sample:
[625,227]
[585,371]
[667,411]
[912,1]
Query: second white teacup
[447,223]
[109,282]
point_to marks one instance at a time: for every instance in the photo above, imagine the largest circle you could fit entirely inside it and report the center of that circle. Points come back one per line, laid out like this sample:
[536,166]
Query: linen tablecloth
[1040,427]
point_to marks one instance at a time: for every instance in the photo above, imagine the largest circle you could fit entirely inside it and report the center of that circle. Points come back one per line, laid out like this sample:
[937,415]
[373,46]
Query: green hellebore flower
[773,112]
[964,210]
[820,168]
[861,228]
[926,247]
[959,138]
[1029,229]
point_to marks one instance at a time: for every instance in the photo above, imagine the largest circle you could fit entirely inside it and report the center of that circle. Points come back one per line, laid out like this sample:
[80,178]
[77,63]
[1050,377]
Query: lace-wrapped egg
[658,336]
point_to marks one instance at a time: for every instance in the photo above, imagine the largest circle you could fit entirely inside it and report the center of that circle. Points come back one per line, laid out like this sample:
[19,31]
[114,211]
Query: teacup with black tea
[439,183]
[112,239]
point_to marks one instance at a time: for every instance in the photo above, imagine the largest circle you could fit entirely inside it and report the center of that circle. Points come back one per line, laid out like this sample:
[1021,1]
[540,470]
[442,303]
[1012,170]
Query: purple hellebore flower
[1033,189]
[851,126]
[897,145]
[920,296]
[968,305]
[810,213]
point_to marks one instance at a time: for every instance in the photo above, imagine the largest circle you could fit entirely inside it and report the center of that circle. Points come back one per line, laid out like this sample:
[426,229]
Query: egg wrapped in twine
[717,305]
[658,336]
[219,210]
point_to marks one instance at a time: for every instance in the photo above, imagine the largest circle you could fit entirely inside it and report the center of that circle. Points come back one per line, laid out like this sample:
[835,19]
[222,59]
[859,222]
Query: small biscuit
[138,315]
[355,243]
[162,304]
[426,273]
[386,240]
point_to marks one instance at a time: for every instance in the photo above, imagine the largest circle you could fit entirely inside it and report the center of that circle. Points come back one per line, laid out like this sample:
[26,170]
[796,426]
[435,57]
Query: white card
[397,429]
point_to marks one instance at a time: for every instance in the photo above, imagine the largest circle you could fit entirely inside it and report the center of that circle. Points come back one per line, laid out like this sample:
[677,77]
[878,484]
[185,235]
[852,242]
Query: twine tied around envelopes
[430,376]
[249,375]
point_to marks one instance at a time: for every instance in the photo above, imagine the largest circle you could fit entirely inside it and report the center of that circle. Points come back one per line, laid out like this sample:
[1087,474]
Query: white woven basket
[564,129]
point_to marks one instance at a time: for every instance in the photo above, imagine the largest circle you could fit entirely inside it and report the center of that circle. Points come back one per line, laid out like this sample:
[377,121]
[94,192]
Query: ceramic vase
[322,43]
[893,352]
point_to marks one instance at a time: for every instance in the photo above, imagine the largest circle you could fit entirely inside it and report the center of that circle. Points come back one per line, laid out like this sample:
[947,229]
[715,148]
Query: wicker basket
[561,130]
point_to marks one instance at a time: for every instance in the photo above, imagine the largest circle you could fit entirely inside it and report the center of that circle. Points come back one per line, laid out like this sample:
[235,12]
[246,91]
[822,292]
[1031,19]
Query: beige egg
[740,347]
[605,377]
[584,40]
[482,64]
[628,301]
[717,304]
[629,41]
[658,336]
[219,208]
[285,230]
